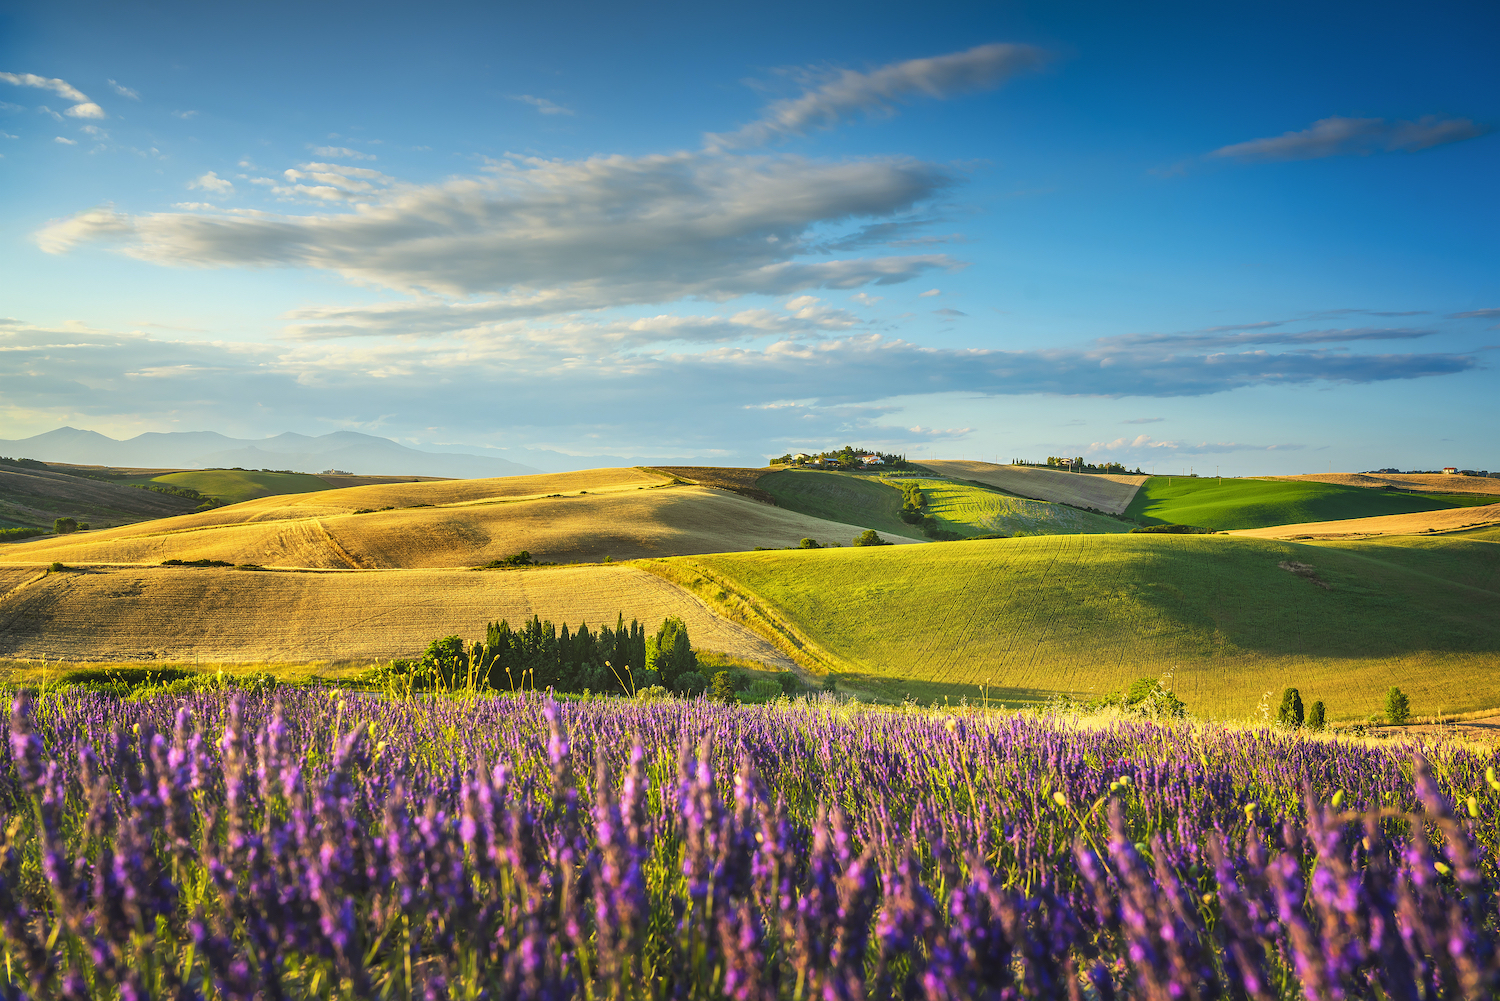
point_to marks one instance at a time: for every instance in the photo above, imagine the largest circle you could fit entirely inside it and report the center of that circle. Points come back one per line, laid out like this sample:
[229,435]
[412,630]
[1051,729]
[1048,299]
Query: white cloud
[89,110]
[7,135]
[864,298]
[342,151]
[125,91]
[848,91]
[95,131]
[930,292]
[592,233]
[211,181]
[1354,137]
[66,142]
[1146,445]
[184,115]
[44,110]
[195,206]
[61,88]
[543,105]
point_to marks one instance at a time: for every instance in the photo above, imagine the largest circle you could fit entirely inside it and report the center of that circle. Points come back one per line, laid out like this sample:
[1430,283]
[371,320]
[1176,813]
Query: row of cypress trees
[537,655]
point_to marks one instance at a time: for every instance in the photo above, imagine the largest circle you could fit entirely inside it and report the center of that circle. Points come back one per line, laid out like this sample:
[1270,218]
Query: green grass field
[1087,614]
[235,485]
[1223,505]
[965,508]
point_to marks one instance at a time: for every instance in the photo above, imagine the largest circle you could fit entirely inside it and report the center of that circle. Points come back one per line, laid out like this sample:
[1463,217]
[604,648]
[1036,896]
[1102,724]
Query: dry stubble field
[214,614]
[617,513]
[1107,492]
[1447,520]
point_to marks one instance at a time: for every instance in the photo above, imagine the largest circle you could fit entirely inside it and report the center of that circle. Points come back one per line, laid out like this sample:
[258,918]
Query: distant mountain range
[350,451]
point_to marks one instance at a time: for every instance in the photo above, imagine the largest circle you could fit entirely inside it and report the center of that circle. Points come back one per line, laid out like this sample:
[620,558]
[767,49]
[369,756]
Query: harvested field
[1109,492]
[223,615]
[1427,483]
[739,479]
[1448,520]
[618,521]
[37,497]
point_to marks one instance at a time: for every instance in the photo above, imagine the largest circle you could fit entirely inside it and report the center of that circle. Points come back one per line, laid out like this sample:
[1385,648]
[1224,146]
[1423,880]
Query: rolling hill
[566,517]
[1228,504]
[1108,492]
[1229,618]
[1442,520]
[1431,483]
[235,485]
[36,497]
[212,614]
[964,508]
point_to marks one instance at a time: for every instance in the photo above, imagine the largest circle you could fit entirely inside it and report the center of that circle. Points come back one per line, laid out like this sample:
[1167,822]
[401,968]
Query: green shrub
[722,688]
[652,693]
[1290,713]
[1397,706]
[17,534]
[869,537]
[764,690]
[133,677]
[1316,716]
[65,526]
[789,682]
[58,567]
[1149,697]
[809,544]
[830,684]
[690,683]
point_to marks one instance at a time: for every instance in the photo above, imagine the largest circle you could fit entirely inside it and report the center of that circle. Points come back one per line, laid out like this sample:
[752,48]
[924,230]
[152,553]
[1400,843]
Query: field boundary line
[748,609]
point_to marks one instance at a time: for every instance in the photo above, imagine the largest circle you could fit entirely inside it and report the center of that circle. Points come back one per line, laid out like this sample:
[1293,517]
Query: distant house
[335,472]
[872,460]
[1451,470]
[801,457]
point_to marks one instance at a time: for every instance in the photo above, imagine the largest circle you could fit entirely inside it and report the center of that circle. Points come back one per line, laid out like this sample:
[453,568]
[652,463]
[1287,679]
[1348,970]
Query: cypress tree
[1397,706]
[1290,713]
[1315,716]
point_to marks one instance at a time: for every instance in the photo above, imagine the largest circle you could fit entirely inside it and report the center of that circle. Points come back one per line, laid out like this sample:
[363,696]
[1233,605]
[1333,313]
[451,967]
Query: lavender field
[308,844]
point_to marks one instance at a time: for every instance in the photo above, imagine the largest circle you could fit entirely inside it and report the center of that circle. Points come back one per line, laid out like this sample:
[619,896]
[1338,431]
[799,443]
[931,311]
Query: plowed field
[1103,491]
[1429,483]
[212,614]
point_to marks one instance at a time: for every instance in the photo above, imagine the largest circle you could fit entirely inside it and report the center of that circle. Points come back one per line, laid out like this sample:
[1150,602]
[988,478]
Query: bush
[1171,530]
[1290,713]
[809,544]
[58,567]
[65,526]
[1397,707]
[764,690]
[690,683]
[722,689]
[1316,716]
[789,682]
[652,693]
[869,537]
[1149,697]
[17,534]
[830,684]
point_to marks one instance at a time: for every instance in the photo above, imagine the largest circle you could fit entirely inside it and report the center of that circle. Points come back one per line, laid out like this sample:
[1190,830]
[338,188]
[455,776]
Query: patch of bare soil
[1306,572]
[1107,492]
[1483,730]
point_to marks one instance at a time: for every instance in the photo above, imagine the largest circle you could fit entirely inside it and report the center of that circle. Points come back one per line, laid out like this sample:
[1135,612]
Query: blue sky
[1243,236]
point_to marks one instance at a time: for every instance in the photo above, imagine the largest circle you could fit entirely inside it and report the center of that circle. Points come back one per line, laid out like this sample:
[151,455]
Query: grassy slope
[36,497]
[971,510]
[1242,503]
[1089,614]
[960,507]
[1103,491]
[235,485]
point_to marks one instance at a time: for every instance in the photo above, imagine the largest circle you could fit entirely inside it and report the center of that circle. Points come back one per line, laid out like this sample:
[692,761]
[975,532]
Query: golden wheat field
[1434,483]
[1445,520]
[213,614]
[615,513]
[1109,492]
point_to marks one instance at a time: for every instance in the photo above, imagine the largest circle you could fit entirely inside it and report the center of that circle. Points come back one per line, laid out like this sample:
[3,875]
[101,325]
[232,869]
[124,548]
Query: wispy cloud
[125,91]
[342,152]
[65,141]
[1354,137]
[1147,446]
[543,105]
[590,233]
[1145,420]
[61,88]
[848,92]
[184,115]
[211,181]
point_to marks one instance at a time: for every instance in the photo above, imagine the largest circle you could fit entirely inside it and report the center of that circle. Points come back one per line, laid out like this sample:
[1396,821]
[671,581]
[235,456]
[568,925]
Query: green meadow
[235,485]
[1227,504]
[1230,619]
